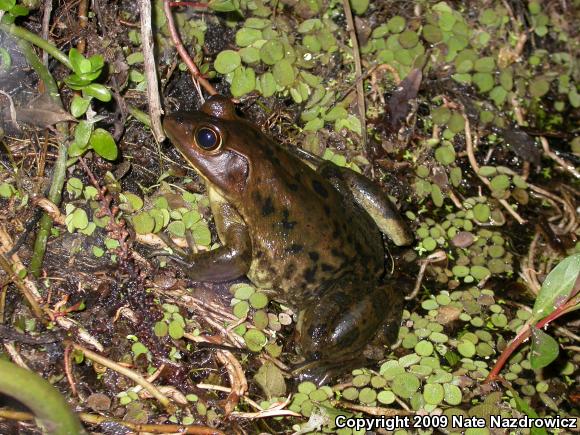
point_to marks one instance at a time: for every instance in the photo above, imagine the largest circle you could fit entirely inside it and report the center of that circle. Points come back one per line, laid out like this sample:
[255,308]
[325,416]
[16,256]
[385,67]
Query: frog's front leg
[335,329]
[370,197]
[227,262]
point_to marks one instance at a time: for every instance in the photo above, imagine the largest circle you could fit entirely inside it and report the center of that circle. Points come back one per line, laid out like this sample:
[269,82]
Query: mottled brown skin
[307,234]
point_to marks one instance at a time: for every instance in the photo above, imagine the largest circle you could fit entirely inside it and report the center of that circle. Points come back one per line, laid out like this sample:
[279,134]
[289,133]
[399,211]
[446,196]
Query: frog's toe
[312,372]
[321,372]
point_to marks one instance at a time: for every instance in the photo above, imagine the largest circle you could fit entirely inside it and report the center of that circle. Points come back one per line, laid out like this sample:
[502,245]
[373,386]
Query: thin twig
[193,69]
[11,108]
[563,163]
[150,70]
[475,167]
[134,376]
[238,381]
[46,14]
[68,370]
[137,428]
[14,355]
[82,12]
[373,410]
[433,258]
[358,71]
[52,210]
[14,269]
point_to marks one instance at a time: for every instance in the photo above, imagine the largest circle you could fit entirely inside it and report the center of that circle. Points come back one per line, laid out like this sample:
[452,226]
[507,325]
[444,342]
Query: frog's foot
[320,372]
[335,329]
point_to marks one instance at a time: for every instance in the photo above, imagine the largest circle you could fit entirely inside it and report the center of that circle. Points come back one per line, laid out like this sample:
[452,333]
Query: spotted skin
[295,230]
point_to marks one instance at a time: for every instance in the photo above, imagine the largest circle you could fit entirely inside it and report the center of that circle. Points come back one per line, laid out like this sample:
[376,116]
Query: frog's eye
[207,138]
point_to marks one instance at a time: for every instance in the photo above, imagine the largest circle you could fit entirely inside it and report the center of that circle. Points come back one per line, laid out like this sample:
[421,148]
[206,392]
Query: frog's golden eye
[207,138]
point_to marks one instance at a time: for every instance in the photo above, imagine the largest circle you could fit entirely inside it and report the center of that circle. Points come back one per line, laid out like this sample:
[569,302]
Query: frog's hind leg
[371,198]
[335,329]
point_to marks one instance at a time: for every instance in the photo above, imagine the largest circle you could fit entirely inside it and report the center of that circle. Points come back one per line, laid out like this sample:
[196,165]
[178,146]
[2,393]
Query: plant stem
[59,170]
[50,408]
[23,34]
[139,115]
[525,333]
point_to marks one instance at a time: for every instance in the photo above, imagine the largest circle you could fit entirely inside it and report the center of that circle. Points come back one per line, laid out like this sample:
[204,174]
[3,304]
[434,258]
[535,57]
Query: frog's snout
[178,127]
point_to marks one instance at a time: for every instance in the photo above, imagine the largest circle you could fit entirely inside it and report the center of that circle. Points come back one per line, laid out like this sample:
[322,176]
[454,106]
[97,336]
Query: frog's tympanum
[311,235]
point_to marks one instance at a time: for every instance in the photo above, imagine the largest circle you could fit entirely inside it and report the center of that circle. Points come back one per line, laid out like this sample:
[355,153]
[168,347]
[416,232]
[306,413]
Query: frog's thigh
[343,321]
[231,260]
[370,197]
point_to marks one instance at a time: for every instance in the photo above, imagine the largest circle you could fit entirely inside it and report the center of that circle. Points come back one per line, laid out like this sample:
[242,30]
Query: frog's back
[304,232]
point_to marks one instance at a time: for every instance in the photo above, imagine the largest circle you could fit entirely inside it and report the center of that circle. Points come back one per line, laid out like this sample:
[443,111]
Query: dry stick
[30,291]
[528,272]
[238,381]
[358,70]
[12,109]
[239,387]
[46,13]
[140,428]
[68,370]
[567,207]
[547,150]
[433,258]
[150,68]
[14,355]
[69,324]
[196,74]
[566,165]
[276,410]
[25,285]
[151,428]
[82,12]
[3,291]
[373,410]
[134,376]
[475,167]
[52,210]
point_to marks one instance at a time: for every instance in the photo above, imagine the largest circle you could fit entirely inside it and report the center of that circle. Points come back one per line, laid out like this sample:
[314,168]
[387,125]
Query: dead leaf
[42,112]
[271,380]
[399,105]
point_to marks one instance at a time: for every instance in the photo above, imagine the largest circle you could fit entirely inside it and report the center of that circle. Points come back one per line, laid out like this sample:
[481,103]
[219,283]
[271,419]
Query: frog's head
[217,143]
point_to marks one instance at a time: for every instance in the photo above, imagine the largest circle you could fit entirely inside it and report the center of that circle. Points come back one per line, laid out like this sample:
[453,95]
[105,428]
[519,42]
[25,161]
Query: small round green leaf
[405,385]
[396,24]
[98,91]
[284,73]
[79,106]
[255,340]
[143,223]
[247,36]
[272,52]
[433,394]
[243,81]
[103,144]
[227,61]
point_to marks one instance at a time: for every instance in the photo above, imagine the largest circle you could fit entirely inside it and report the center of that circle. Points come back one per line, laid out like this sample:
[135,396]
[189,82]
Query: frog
[307,230]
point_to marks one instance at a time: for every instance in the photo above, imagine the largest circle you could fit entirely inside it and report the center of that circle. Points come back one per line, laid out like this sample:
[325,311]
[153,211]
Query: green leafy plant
[12,10]
[558,296]
[85,72]
[224,5]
